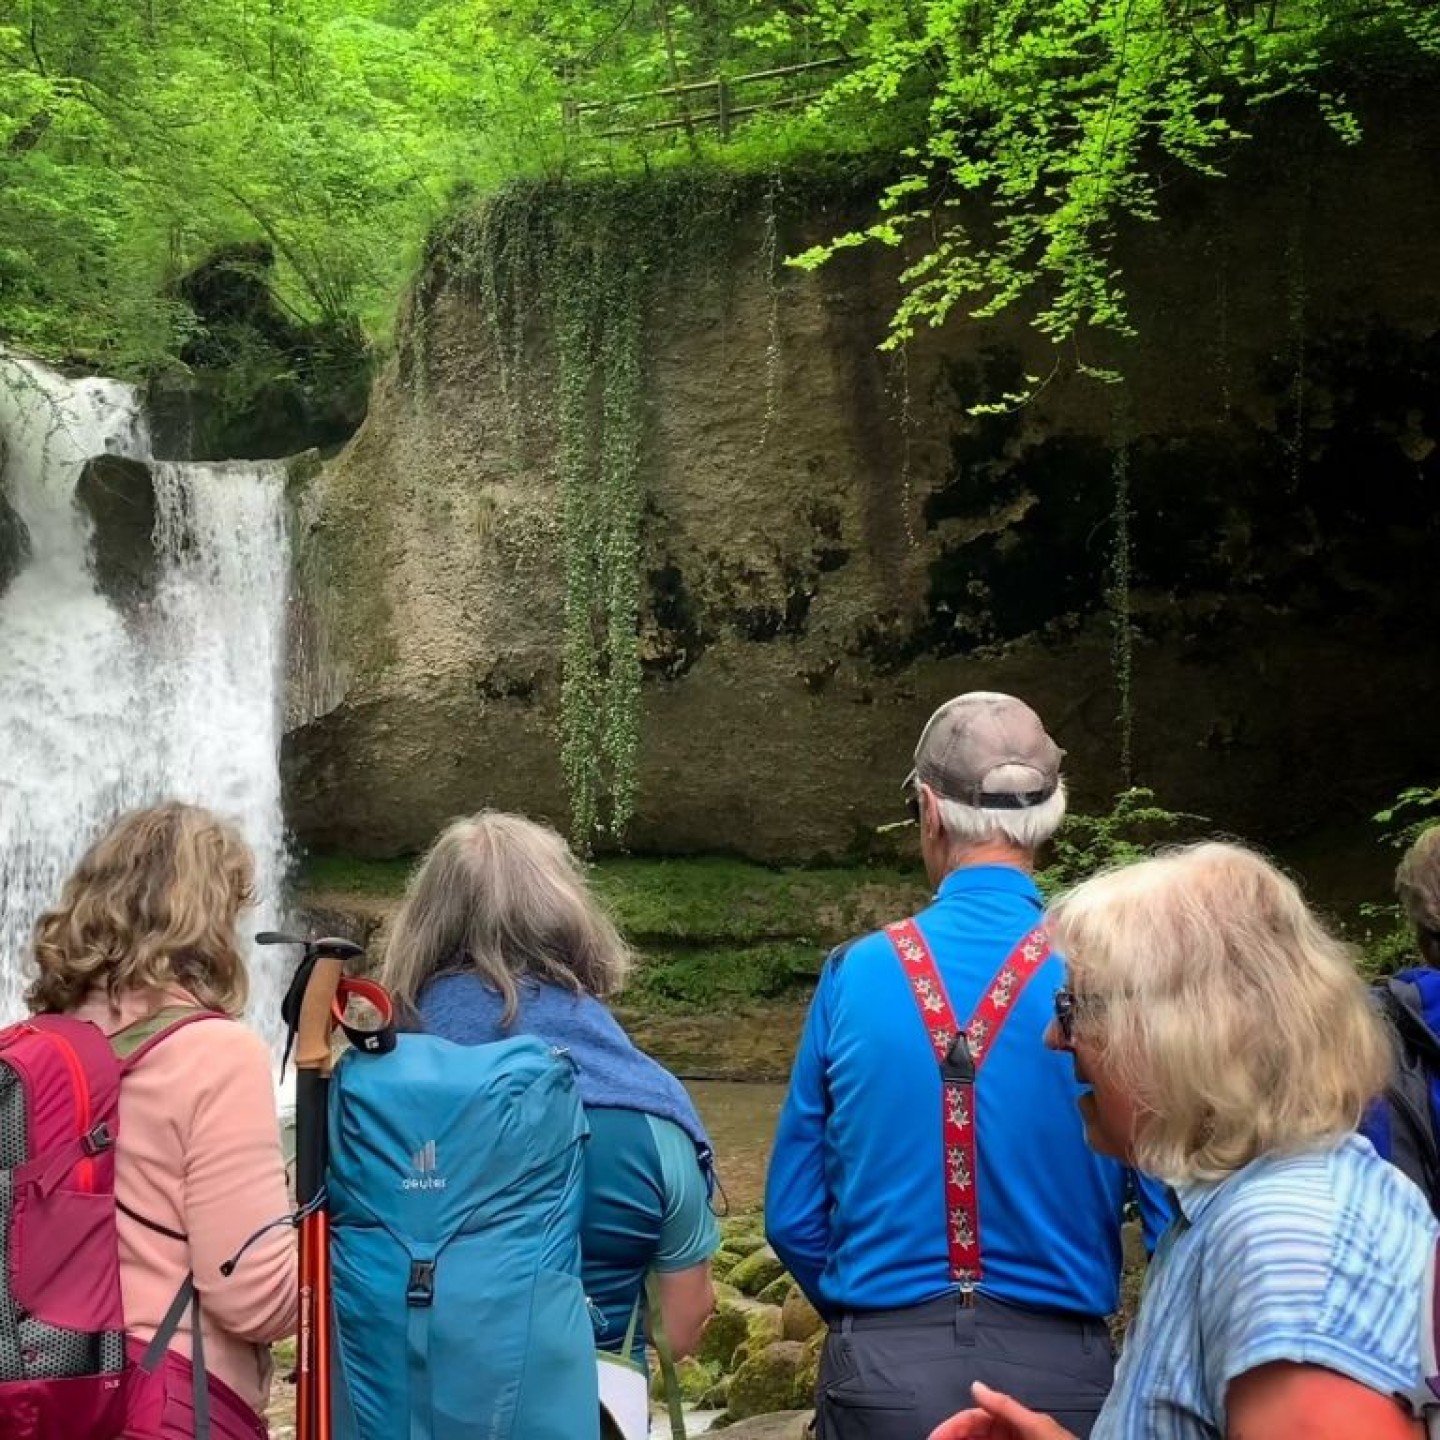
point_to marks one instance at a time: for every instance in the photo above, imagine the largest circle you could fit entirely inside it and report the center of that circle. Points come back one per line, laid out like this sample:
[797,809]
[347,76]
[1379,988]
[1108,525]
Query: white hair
[1026,829]
[1224,1007]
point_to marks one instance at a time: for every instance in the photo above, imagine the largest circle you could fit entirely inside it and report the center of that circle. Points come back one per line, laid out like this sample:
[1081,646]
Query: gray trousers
[896,1374]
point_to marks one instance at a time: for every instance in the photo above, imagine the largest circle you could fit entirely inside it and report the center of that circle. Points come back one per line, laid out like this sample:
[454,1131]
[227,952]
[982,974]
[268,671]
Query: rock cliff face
[833,543]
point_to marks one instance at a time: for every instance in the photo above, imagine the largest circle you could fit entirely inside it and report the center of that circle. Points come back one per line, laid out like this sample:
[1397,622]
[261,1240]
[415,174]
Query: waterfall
[105,705]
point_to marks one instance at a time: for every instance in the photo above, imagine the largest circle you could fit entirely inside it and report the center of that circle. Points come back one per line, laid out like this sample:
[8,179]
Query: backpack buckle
[421,1289]
[98,1140]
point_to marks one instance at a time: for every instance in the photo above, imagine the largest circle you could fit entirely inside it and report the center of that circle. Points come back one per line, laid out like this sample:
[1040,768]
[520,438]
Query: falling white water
[102,711]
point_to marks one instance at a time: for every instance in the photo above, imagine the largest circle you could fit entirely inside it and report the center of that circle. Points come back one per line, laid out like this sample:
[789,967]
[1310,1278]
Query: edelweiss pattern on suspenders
[958,1096]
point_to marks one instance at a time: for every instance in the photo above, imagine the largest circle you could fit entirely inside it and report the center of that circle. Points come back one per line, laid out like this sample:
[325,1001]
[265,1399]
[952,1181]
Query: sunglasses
[1067,1005]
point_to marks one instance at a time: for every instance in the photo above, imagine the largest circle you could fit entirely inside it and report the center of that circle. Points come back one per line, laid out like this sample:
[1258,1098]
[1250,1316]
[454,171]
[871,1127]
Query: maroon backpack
[64,1370]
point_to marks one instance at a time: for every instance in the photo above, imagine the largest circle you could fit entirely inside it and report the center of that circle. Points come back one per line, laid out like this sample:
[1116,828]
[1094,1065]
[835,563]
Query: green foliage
[1414,811]
[1130,830]
[1039,126]
[1386,938]
[1017,135]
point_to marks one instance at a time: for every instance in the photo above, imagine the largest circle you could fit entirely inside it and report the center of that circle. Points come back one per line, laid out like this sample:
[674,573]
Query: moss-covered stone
[763,1326]
[777,1290]
[723,1262]
[798,1317]
[745,1242]
[717,1397]
[756,1271]
[723,1332]
[695,1378]
[769,1380]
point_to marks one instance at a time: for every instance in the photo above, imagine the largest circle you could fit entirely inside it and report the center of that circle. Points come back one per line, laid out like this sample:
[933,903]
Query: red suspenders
[961,1053]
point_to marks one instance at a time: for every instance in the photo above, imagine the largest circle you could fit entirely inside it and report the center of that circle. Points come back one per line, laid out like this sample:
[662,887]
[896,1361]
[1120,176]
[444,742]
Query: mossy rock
[787,1425]
[809,1373]
[724,1291]
[756,1271]
[763,1326]
[777,1291]
[723,1263]
[745,1242]
[695,1377]
[724,1331]
[717,1397]
[770,1380]
[799,1319]
[749,1222]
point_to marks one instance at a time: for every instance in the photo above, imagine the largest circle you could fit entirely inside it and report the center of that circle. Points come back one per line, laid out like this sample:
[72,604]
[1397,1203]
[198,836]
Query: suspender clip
[958,1066]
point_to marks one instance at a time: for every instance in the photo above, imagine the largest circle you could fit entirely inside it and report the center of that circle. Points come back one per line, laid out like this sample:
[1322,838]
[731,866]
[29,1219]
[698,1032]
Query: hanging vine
[769,261]
[1121,605]
[619,537]
[575,260]
[580,688]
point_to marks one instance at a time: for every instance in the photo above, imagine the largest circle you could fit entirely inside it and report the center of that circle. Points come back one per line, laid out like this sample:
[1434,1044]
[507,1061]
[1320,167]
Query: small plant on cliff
[1129,830]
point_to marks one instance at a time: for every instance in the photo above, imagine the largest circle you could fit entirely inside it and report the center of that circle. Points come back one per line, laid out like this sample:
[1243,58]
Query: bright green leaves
[1050,123]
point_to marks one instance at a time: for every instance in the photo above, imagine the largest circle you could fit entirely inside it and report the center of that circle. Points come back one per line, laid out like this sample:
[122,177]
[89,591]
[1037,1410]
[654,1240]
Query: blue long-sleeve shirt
[855,1195]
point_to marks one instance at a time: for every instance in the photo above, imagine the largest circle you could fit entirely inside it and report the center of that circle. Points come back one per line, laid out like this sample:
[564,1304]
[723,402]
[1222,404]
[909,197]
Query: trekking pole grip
[312,1034]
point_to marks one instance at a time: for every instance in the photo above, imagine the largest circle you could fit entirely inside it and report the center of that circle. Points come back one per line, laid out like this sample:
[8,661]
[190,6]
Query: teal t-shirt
[646,1208]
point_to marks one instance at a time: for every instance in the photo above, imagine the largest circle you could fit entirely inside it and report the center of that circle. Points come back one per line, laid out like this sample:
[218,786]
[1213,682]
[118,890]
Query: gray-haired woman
[1229,1048]
[499,935]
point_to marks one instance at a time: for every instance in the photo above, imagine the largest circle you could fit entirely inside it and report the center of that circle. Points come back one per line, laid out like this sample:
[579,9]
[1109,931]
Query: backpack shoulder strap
[131,1045]
[1401,1005]
[136,1041]
[655,1325]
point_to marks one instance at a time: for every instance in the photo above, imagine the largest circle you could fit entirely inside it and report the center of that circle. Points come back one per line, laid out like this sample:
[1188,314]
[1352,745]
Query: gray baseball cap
[988,750]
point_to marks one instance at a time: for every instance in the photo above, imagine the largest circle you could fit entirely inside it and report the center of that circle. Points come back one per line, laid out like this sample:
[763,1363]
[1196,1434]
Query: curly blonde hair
[152,903]
[1223,1005]
[503,897]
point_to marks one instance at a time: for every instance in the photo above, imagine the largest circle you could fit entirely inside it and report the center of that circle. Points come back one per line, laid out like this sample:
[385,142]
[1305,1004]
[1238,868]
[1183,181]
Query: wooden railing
[720,92]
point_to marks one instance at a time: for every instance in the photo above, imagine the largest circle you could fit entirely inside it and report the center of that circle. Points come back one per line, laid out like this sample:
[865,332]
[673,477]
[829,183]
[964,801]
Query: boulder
[14,538]
[777,1290]
[756,1271]
[763,1326]
[799,1319]
[784,1425]
[119,496]
[723,1262]
[723,1332]
[694,1376]
[770,1380]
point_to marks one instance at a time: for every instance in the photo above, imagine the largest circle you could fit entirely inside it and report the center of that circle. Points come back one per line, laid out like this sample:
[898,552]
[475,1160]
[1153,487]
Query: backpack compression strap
[131,1045]
[961,1053]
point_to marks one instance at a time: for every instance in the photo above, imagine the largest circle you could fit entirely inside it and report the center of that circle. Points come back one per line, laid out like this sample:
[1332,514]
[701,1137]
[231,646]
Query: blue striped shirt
[1317,1258]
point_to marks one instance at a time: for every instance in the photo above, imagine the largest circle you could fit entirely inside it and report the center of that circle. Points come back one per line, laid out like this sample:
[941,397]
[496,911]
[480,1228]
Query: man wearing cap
[930,1186]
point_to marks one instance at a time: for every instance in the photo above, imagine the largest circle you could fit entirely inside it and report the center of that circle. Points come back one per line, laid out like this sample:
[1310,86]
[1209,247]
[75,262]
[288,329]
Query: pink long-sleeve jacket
[199,1153]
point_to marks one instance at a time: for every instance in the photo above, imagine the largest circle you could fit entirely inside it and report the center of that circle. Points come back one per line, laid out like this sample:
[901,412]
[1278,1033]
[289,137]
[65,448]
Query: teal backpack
[455,1199]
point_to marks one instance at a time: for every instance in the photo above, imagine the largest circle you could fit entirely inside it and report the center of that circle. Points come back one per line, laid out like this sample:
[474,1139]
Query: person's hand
[998,1417]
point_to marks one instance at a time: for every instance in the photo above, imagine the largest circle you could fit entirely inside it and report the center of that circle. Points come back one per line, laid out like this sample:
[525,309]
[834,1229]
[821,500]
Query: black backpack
[1404,1131]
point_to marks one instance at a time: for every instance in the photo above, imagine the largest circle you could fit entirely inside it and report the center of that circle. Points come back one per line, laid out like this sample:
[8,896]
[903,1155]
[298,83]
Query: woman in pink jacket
[144,932]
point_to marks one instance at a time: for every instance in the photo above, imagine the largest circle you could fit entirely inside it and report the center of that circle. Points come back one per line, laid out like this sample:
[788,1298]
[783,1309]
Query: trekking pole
[307,1010]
